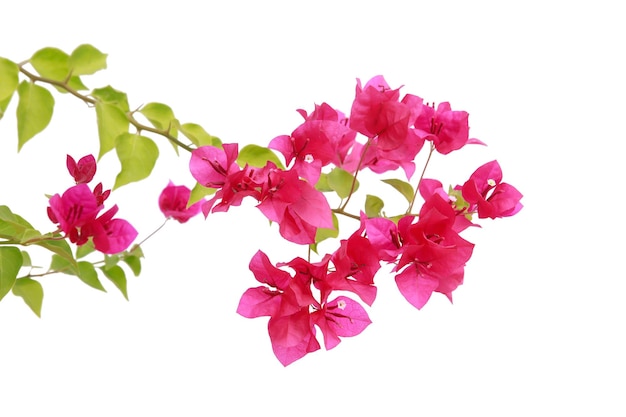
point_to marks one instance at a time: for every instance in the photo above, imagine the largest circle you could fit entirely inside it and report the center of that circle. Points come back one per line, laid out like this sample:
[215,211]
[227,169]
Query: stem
[344,213]
[356,172]
[432,149]
[92,102]
[153,233]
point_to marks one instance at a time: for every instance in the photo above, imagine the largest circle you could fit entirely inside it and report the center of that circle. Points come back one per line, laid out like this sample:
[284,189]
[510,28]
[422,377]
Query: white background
[538,326]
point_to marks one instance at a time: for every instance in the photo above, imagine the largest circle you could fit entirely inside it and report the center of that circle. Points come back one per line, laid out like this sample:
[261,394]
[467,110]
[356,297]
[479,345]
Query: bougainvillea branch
[292,180]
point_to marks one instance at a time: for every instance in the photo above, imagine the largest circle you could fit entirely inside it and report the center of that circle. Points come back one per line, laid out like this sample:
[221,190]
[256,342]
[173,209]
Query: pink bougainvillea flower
[356,263]
[83,171]
[378,112]
[76,213]
[447,129]
[433,255]
[294,204]
[110,235]
[74,209]
[428,187]
[487,194]
[173,203]
[210,165]
[340,317]
[322,138]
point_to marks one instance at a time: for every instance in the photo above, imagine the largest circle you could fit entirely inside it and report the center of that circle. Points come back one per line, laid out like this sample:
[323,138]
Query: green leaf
[60,248]
[4,104]
[403,187]
[323,234]
[198,192]
[31,292]
[8,79]
[112,122]
[134,263]
[257,156]
[51,63]
[322,184]
[63,265]
[86,59]
[111,108]
[34,111]
[340,181]
[373,206]
[138,155]
[14,228]
[117,276]
[110,95]
[75,83]
[26,261]
[161,116]
[198,136]
[87,273]
[10,264]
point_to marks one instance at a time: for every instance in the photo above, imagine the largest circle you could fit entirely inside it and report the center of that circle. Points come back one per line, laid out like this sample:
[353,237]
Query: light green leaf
[63,265]
[31,292]
[8,79]
[14,228]
[257,156]
[198,136]
[26,261]
[10,264]
[111,108]
[322,184]
[323,234]
[138,155]
[198,192]
[34,111]
[87,273]
[340,181]
[112,122]
[4,104]
[373,206]
[161,116]
[134,263]
[402,186]
[51,63]
[59,247]
[86,59]
[75,83]
[110,95]
[117,276]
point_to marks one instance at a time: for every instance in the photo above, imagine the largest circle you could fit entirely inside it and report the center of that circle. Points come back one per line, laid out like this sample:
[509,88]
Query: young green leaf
[340,181]
[117,276]
[86,59]
[198,192]
[8,79]
[257,156]
[34,111]
[31,292]
[161,116]
[60,248]
[87,273]
[111,108]
[10,264]
[51,63]
[63,265]
[4,104]
[402,186]
[137,155]
[198,136]
[134,263]
[373,206]
[112,122]
[323,234]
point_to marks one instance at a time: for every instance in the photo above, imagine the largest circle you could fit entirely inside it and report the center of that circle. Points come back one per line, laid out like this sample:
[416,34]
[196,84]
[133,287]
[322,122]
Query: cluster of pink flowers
[77,211]
[426,250]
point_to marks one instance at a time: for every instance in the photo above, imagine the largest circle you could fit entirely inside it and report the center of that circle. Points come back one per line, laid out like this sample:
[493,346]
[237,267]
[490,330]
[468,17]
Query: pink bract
[173,202]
